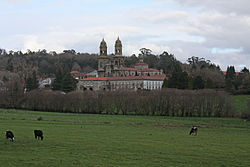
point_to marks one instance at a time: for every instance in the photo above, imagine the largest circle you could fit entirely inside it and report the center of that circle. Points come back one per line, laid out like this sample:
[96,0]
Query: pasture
[120,141]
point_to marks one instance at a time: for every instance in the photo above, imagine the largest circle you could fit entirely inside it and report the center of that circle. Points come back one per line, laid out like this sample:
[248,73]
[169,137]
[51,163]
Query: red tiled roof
[142,77]
[138,64]
[236,73]
[74,72]
[150,69]
[131,69]
[94,79]
[144,70]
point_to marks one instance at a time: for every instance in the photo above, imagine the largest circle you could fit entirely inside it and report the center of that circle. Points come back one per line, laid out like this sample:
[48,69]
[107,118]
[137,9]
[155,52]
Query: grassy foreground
[113,141]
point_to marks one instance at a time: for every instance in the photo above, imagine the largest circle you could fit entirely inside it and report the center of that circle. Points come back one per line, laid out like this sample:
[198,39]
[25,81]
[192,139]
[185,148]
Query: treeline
[168,102]
[202,74]
[46,64]
[197,73]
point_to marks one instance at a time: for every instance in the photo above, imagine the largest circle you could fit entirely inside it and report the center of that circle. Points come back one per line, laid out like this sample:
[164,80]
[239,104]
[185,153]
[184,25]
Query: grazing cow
[38,133]
[194,130]
[9,135]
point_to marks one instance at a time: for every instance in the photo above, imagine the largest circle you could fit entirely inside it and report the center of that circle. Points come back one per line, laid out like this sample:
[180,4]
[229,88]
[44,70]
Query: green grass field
[113,141]
[240,103]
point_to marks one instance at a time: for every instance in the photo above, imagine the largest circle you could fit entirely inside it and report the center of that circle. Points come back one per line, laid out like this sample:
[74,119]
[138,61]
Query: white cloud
[183,27]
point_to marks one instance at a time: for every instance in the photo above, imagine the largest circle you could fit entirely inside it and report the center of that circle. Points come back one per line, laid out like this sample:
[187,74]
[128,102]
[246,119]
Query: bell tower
[103,48]
[118,47]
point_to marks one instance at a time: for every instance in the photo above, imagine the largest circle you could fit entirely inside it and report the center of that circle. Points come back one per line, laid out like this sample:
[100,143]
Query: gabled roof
[94,79]
[144,70]
[142,77]
[141,64]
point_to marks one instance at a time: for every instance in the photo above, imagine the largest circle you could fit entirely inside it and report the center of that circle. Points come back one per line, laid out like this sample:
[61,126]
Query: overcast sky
[218,30]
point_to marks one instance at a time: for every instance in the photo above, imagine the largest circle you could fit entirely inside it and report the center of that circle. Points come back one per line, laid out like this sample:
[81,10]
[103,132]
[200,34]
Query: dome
[118,42]
[103,43]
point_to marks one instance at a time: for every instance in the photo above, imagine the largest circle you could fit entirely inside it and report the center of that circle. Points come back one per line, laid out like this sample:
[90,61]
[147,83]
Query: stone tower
[103,60]
[118,47]
[103,48]
[112,65]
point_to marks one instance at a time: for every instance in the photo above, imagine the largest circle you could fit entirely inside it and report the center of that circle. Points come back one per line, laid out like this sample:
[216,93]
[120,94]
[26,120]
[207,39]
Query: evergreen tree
[231,79]
[29,84]
[57,85]
[229,85]
[178,80]
[32,82]
[68,83]
[230,73]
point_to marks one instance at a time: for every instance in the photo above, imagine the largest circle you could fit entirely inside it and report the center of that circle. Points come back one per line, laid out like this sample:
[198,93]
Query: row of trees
[168,102]
[199,73]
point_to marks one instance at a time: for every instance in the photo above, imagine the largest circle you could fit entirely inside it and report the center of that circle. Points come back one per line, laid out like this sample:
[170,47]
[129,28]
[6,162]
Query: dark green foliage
[229,85]
[198,83]
[57,84]
[210,73]
[131,61]
[245,70]
[32,82]
[64,81]
[178,80]
[230,73]
[68,83]
[209,84]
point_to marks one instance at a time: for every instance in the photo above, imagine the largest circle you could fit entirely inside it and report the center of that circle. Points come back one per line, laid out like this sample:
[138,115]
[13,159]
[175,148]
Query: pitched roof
[141,63]
[142,77]
[94,79]
[74,72]
[144,70]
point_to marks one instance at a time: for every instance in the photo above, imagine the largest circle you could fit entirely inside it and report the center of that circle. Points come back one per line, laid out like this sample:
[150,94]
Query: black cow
[9,135]
[194,130]
[38,133]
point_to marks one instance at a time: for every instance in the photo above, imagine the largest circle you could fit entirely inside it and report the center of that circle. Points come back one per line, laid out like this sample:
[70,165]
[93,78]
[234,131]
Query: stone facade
[113,75]
[122,83]
[110,66]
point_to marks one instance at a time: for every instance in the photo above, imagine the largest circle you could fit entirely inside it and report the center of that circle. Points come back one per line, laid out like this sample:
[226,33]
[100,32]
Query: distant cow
[38,133]
[9,135]
[194,130]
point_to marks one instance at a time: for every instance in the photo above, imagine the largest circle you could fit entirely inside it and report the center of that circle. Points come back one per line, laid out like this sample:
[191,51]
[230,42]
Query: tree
[168,63]
[230,73]
[57,84]
[198,83]
[178,80]
[68,83]
[32,82]
[231,83]
[245,70]
[131,61]
[145,51]
[209,84]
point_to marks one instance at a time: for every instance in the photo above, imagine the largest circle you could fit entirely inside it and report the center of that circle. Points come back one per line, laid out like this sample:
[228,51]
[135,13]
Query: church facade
[110,66]
[113,75]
